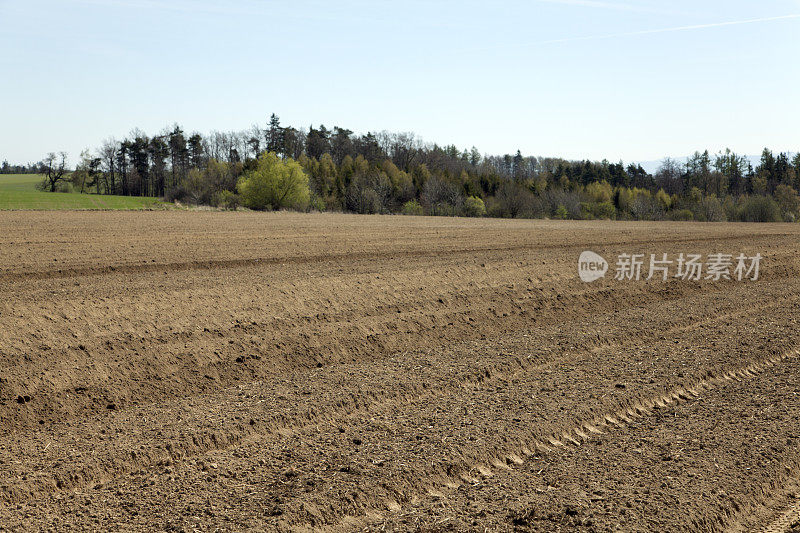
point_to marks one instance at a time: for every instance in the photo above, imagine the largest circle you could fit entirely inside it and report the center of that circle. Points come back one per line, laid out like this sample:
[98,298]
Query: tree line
[338,170]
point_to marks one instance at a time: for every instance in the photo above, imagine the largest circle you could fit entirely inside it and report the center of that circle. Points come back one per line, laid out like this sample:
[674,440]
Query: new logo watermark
[690,267]
[591,266]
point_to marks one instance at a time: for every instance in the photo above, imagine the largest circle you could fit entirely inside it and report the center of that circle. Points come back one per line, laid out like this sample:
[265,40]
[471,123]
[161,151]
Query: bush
[225,200]
[664,199]
[412,207]
[683,215]
[64,186]
[511,201]
[333,203]
[369,194]
[274,184]
[535,207]
[493,207]
[599,210]
[561,213]
[317,204]
[729,205]
[176,194]
[600,192]
[194,187]
[712,210]
[759,209]
[441,197]
[788,201]
[645,207]
[368,201]
[61,186]
[474,207]
[558,198]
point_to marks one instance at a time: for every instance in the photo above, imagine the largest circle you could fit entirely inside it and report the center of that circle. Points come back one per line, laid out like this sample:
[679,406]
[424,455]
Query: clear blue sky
[616,79]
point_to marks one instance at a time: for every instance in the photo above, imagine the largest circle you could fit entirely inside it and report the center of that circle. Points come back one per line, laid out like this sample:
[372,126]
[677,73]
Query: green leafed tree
[274,184]
[474,207]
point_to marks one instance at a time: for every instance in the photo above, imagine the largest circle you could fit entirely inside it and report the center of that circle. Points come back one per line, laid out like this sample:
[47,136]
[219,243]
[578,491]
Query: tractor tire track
[405,391]
[575,436]
[369,365]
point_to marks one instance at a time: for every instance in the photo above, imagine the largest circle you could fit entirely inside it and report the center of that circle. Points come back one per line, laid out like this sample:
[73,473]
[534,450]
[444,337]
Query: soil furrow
[244,371]
[654,474]
[215,434]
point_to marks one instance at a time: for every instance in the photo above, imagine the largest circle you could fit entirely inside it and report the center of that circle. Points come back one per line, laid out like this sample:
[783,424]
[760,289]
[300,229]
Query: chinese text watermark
[690,267]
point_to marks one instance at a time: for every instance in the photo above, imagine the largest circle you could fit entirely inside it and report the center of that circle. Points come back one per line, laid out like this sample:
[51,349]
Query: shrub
[61,186]
[317,204]
[412,207]
[493,207]
[369,194]
[624,198]
[788,201]
[729,205]
[557,198]
[175,194]
[600,210]
[645,207]
[664,199]
[64,186]
[225,200]
[511,201]
[600,192]
[759,209]
[684,215]
[441,197]
[561,212]
[333,203]
[194,187]
[274,184]
[712,209]
[474,207]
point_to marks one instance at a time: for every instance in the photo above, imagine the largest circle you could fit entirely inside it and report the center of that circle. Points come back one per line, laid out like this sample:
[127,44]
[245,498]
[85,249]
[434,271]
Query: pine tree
[274,135]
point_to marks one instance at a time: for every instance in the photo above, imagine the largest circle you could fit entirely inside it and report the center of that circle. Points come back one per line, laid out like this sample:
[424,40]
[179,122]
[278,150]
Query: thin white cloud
[666,30]
[259,8]
[176,5]
[619,6]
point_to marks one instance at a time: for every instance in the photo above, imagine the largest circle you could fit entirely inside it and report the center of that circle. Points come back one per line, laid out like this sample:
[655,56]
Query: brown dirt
[232,371]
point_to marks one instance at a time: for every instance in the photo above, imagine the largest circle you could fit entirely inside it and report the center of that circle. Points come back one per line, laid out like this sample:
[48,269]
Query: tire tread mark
[787,520]
[608,422]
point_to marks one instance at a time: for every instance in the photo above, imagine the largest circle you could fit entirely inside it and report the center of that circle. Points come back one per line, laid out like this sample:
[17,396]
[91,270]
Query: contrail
[666,30]
[604,5]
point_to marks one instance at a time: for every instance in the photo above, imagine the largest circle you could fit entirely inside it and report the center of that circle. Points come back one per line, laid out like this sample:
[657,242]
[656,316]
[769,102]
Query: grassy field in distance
[18,191]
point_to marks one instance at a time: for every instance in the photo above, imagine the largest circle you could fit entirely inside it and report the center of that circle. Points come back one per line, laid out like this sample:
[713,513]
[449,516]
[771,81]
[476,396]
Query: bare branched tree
[54,168]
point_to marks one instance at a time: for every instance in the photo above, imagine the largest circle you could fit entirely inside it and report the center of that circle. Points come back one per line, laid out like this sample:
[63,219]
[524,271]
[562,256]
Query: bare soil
[180,371]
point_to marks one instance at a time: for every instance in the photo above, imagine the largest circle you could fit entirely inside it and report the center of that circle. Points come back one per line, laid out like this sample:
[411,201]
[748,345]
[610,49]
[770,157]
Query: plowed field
[187,371]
